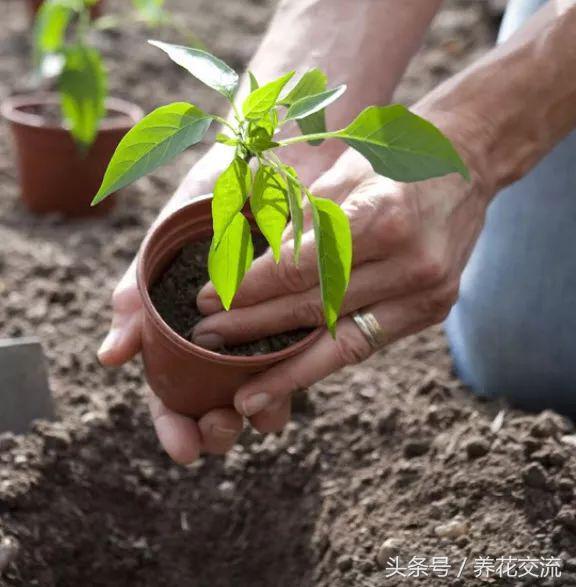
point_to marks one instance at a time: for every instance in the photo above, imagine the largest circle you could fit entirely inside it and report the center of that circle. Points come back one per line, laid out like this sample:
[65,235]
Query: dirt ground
[390,452]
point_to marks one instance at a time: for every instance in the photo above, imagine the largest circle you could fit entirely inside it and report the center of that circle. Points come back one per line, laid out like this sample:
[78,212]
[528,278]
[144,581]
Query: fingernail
[208,340]
[274,406]
[224,433]
[109,343]
[208,301]
[255,403]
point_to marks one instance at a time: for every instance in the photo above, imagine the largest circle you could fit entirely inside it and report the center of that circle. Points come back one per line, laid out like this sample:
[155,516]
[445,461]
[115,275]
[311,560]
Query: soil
[394,456]
[51,114]
[174,296]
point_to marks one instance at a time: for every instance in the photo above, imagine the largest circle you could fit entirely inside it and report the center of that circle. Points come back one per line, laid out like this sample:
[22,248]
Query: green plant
[397,143]
[62,49]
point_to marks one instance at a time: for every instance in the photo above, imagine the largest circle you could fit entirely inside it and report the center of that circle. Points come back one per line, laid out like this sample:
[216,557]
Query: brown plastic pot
[34,6]
[55,175]
[190,379]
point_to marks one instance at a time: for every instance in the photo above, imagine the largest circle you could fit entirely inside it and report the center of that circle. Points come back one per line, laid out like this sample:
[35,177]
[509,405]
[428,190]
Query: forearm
[510,108]
[366,44]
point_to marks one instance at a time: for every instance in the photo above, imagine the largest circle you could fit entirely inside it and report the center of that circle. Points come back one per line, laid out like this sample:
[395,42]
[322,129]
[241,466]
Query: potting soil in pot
[51,114]
[174,296]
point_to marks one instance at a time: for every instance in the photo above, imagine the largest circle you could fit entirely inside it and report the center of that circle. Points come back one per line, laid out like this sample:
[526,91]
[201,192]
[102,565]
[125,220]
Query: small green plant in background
[62,49]
[398,144]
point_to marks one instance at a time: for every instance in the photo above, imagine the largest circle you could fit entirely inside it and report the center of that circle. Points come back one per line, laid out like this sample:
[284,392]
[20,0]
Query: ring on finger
[370,328]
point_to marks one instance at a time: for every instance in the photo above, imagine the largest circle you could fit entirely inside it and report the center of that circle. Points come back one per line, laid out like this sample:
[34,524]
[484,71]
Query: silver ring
[370,328]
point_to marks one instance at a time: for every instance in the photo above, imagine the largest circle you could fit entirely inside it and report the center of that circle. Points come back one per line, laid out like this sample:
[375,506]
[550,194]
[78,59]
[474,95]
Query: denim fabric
[512,332]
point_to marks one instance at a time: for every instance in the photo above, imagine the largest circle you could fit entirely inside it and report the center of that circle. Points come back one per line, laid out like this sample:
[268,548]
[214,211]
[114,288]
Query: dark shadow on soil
[111,510]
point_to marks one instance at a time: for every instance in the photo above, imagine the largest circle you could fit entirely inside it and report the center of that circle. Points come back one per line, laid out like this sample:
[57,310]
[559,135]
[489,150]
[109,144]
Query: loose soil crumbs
[174,296]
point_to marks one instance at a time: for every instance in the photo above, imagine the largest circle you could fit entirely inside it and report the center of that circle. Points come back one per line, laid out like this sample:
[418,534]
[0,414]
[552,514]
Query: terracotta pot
[189,379]
[55,176]
[34,6]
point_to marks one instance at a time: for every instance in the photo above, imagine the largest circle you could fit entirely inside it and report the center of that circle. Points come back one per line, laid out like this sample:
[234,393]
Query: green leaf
[82,86]
[270,207]
[261,133]
[334,254]
[254,85]
[203,66]
[229,261]
[260,140]
[50,26]
[155,140]
[269,123]
[230,194]
[296,211]
[311,104]
[401,145]
[263,99]
[312,82]
[313,124]
[226,140]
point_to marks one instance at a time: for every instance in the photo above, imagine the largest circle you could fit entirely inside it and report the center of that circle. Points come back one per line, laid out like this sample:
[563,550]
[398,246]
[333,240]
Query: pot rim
[182,343]
[11,110]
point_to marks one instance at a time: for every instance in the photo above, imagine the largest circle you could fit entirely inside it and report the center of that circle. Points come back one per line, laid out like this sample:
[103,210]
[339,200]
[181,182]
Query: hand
[216,432]
[411,243]
[183,438]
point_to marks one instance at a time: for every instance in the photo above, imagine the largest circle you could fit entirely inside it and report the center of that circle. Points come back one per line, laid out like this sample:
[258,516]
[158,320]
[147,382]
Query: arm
[412,241]
[349,40]
[519,100]
[304,34]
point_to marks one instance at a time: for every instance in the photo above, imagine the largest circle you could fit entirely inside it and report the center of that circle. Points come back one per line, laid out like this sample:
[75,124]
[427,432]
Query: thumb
[123,339]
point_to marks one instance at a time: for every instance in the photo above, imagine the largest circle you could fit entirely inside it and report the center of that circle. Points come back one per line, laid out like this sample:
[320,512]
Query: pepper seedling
[62,50]
[397,143]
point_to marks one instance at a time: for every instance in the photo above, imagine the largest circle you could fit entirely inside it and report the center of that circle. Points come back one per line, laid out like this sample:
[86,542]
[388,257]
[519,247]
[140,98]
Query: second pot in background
[55,175]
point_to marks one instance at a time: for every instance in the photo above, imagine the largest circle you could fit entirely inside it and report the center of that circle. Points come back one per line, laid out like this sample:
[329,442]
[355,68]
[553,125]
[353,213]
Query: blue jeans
[513,331]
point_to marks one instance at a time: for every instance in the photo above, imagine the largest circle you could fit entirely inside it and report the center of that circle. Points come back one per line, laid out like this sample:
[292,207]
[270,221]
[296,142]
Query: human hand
[410,242]
[184,438]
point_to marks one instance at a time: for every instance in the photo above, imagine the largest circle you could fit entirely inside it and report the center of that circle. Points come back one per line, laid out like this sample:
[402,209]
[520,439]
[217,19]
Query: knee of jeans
[476,360]
[492,371]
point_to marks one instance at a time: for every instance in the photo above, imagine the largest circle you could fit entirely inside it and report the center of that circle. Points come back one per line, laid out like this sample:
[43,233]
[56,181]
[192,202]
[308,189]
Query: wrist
[473,139]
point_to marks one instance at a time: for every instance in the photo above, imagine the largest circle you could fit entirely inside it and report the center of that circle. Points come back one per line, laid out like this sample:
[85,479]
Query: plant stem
[277,164]
[305,138]
[239,117]
[224,122]
[83,25]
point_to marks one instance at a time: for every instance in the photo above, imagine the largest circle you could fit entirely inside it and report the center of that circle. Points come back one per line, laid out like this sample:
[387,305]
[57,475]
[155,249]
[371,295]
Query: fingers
[340,180]
[274,417]
[178,434]
[324,357]
[123,339]
[219,430]
[382,223]
[184,439]
[268,279]
[369,283]
[397,318]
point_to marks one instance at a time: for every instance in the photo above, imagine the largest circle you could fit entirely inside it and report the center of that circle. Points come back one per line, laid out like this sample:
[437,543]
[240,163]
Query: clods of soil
[391,458]
[174,296]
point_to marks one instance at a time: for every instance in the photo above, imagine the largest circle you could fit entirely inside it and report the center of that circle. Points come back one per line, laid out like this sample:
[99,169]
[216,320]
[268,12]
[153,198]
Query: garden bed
[394,449]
